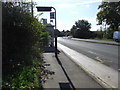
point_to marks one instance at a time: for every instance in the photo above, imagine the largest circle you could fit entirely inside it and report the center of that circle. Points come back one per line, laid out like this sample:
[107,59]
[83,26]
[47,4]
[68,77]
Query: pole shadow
[50,50]
[63,85]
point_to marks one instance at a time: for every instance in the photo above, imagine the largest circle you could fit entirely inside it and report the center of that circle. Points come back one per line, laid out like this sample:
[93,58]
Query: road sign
[52,15]
[51,20]
[44,9]
[44,21]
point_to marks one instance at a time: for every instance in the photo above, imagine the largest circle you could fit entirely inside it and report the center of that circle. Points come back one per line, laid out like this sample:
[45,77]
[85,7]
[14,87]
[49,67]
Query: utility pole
[55,33]
[32,7]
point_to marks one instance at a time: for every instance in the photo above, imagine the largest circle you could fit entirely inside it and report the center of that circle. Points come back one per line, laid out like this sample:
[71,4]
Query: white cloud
[63,26]
[45,0]
[111,0]
[87,6]
[90,2]
[95,27]
[93,19]
[66,5]
[85,2]
[74,12]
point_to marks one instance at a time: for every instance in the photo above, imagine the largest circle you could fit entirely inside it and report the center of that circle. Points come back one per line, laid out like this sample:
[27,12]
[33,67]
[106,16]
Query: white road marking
[92,52]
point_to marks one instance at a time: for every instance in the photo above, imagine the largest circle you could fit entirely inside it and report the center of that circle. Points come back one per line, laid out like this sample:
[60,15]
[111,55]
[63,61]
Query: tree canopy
[110,14]
[81,29]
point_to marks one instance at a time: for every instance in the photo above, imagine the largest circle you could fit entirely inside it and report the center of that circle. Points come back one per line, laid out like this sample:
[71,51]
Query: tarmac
[66,74]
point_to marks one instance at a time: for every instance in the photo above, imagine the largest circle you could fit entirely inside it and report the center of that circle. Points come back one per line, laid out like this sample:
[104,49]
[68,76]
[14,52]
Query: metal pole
[32,7]
[55,33]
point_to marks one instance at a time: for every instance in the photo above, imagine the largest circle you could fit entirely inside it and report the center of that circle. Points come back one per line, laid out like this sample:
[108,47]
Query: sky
[70,11]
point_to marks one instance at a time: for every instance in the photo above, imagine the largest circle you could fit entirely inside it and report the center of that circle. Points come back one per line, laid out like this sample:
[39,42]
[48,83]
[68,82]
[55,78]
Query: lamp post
[48,9]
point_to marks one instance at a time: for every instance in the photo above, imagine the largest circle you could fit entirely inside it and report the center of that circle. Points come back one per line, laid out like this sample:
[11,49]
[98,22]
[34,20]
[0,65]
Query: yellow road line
[99,59]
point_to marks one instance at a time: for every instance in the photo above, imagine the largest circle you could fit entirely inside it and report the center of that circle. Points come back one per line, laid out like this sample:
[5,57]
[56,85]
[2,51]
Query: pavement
[66,73]
[98,41]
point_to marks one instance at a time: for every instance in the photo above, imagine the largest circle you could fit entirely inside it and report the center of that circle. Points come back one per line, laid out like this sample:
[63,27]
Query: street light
[49,9]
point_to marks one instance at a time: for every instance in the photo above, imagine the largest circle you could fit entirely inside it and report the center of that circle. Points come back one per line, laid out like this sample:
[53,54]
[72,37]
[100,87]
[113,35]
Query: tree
[83,25]
[62,33]
[73,30]
[21,33]
[110,14]
[99,34]
[22,39]
[108,34]
[81,29]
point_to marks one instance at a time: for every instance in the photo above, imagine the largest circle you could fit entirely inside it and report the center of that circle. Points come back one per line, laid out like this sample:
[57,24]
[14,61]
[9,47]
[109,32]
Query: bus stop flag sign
[44,9]
[52,15]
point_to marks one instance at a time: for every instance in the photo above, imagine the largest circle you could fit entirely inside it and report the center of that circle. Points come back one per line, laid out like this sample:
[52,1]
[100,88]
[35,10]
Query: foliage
[110,14]
[62,33]
[81,29]
[27,77]
[99,34]
[22,39]
[83,25]
[106,34]
[102,39]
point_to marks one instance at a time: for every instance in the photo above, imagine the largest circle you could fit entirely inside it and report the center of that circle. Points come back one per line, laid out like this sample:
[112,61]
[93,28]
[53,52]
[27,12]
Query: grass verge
[102,39]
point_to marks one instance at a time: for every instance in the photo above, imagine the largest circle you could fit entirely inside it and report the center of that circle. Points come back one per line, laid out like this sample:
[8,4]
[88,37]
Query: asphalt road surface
[106,54]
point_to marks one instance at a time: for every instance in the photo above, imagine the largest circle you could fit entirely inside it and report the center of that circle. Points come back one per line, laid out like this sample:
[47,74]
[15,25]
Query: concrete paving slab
[58,76]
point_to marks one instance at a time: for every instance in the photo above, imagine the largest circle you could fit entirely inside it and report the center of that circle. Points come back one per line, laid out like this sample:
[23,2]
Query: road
[106,54]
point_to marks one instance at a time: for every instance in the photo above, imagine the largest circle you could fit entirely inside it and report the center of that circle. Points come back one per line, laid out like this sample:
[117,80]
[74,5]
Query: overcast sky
[69,11]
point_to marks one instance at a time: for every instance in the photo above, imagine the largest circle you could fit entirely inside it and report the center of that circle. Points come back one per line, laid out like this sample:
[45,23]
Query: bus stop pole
[55,33]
